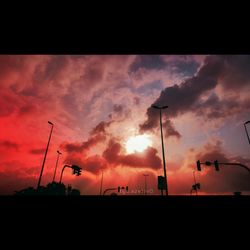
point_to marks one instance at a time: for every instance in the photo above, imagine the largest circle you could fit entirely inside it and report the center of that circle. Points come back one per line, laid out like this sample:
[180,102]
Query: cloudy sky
[98,102]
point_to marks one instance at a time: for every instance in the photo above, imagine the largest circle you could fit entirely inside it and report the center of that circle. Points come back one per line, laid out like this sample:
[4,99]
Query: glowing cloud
[138,143]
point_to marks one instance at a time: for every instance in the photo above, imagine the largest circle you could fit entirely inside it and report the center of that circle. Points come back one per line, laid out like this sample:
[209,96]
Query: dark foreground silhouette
[53,188]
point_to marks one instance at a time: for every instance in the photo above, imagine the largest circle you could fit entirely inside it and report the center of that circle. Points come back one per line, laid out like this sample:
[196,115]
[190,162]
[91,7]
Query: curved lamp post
[58,154]
[76,170]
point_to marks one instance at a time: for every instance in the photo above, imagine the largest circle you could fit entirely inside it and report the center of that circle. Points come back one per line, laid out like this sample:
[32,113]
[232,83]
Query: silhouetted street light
[44,159]
[76,170]
[246,131]
[58,154]
[163,154]
[145,175]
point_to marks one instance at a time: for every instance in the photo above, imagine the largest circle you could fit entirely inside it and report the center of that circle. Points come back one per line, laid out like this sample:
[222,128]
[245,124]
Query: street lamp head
[164,107]
[156,107]
[50,123]
[247,122]
[159,107]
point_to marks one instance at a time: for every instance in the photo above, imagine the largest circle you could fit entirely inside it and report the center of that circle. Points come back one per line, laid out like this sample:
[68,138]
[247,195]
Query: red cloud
[147,159]
[10,145]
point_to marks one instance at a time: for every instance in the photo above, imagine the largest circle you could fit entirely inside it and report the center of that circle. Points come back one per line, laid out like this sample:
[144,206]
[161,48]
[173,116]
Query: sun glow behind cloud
[138,143]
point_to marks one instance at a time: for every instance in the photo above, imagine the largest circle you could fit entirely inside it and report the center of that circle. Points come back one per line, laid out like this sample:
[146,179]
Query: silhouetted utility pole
[246,131]
[162,143]
[58,154]
[145,175]
[44,159]
[101,184]
[195,182]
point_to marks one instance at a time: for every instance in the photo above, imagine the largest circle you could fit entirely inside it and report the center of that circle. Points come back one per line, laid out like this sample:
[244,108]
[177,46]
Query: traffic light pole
[195,183]
[237,164]
[101,184]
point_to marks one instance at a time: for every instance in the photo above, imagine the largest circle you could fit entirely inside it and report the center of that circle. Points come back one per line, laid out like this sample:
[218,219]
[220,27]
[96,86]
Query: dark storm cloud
[185,97]
[86,145]
[97,135]
[214,107]
[147,62]
[170,130]
[51,70]
[9,145]
[118,108]
[9,103]
[136,100]
[27,109]
[12,63]
[100,128]
[236,71]
[186,68]
[37,151]
[148,88]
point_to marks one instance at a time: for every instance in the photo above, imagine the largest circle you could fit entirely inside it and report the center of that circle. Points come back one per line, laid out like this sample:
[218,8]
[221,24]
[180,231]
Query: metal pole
[62,172]
[247,133]
[195,183]
[58,154]
[163,155]
[44,159]
[237,164]
[145,185]
[101,184]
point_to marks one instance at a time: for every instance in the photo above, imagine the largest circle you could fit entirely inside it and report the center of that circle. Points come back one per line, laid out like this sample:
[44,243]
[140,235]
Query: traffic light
[119,189]
[216,165]
[76,170]
[161,183]
[126,188]
[79,172]
[198,165]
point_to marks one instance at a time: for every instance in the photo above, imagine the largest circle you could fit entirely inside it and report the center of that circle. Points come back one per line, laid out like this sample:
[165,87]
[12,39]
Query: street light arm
[109,189]
[237,164]
[156,107]
[164,107]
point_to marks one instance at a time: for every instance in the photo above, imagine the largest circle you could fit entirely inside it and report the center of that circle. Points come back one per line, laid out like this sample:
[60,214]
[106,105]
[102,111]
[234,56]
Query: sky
[99,102]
